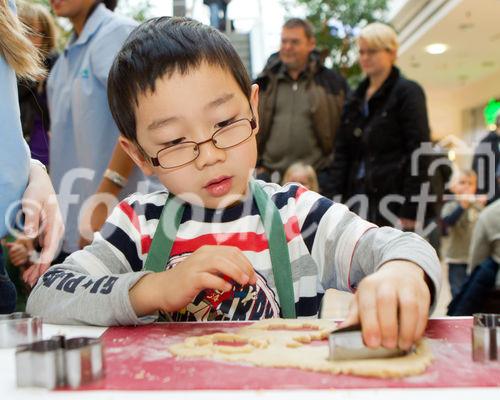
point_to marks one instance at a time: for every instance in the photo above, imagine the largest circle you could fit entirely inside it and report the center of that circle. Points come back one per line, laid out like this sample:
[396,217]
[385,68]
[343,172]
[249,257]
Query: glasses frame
[155,162]
[371,52]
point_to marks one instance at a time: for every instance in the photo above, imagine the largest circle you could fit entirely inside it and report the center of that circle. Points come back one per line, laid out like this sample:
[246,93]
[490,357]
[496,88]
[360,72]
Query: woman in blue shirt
[20,179]
[84,155]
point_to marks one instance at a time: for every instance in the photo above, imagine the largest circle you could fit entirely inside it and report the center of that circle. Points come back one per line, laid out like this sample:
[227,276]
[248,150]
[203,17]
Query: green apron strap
[166,232]
[278,249]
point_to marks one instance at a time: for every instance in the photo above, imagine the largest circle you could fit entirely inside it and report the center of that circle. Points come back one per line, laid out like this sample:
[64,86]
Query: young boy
[188,114]
[459,217]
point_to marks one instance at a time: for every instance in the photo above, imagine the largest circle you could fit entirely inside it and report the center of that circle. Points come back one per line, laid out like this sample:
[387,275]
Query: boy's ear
[136,155]
[254,102]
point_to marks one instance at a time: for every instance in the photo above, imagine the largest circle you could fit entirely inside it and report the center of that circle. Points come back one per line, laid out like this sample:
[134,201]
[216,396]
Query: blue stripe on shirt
[124,243]
[281,198]
[149,210]
[310,226]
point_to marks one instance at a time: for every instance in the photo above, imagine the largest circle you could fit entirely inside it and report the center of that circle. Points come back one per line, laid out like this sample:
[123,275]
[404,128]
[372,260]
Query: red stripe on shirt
[134,219]
[245,241]
[300,190]
[146,243]
[292,228]
[130,213]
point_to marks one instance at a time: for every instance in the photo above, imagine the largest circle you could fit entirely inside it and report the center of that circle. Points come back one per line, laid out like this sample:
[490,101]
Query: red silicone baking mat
[137,359]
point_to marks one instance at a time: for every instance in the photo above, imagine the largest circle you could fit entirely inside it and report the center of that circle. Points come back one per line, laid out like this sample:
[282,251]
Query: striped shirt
[329,247]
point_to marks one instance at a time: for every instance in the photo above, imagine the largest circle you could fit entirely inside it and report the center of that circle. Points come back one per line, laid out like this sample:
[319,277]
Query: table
[8,388]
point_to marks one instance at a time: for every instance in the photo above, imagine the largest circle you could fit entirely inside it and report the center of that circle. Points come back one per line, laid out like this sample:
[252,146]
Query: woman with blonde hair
[35,118]
[302,173]
[20,178]
[384,122]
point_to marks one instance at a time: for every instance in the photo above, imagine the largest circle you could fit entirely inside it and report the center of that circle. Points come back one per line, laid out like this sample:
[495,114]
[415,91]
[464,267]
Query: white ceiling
[471,29]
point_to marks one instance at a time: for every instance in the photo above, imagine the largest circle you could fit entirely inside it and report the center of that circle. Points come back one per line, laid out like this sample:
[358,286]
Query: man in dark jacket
[488,171]
[300,105]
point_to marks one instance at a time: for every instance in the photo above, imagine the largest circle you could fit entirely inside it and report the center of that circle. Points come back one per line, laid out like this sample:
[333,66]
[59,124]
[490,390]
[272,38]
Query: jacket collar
[383,90]
[275,66]
[100,15]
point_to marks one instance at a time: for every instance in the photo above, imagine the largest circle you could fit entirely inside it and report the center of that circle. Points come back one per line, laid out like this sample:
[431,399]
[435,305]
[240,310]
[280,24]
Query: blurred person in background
[384,122]
[481,292]
[459,217]
[488,171]
[302,173]
[23,184]
[218,13]
[35,116]
[84,136]
[19,253]
[300,106]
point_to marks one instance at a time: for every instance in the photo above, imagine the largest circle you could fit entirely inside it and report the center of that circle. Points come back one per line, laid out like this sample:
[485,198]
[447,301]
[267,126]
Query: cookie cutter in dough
[19,328]
[486,337]
[58,362]
[347,344]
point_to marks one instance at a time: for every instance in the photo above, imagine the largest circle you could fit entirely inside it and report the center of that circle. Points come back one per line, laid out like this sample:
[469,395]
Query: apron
[166,232]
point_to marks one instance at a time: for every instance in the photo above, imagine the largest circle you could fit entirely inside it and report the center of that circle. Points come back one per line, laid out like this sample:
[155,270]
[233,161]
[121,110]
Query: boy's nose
[209,155]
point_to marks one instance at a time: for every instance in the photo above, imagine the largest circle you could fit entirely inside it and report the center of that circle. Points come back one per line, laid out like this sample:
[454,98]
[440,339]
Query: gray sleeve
[380,245]
[91,287]
[353,248]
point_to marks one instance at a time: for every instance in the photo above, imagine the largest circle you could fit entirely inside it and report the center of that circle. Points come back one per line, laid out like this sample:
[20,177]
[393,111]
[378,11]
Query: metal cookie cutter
[486,337]
[19,328]
[59,362]
[347,344]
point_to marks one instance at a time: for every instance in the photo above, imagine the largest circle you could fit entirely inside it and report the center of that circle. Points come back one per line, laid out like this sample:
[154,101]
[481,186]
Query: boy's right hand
[206,268]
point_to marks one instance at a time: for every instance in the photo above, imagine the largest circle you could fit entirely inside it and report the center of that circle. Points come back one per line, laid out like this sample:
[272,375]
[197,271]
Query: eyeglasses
[230,135]
[369,52]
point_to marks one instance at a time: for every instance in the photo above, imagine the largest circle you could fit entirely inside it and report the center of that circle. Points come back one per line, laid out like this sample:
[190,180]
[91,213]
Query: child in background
[302,173]
[459,217]
[217,244]
[35,117]
[19,254]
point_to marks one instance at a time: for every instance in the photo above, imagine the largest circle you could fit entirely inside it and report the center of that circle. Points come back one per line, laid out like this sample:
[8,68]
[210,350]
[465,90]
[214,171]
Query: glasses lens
[177,155]
[233,134]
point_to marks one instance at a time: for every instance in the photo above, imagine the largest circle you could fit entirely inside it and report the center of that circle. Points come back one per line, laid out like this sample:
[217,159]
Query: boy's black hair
[160,47]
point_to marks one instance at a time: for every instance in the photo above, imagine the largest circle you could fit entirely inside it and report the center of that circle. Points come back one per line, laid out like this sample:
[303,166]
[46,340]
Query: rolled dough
[299,344]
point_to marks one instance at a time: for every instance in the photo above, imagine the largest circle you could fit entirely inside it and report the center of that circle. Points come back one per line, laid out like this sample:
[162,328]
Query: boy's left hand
[392,305]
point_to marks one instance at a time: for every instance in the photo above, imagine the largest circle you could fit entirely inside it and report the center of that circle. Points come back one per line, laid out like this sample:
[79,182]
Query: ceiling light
[436,48]
[452,155]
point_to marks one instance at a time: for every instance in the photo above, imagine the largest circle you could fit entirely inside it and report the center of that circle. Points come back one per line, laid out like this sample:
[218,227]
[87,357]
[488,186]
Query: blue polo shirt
[83,133]
[14,152]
